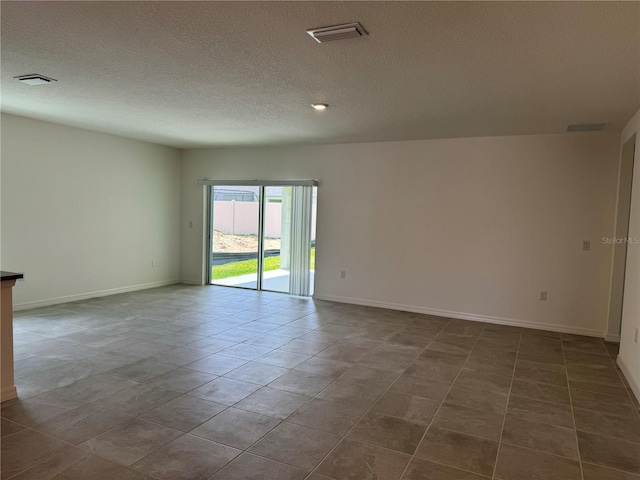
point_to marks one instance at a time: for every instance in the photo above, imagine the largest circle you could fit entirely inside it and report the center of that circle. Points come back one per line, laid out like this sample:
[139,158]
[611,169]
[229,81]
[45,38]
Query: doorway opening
[625,183]
[261,236]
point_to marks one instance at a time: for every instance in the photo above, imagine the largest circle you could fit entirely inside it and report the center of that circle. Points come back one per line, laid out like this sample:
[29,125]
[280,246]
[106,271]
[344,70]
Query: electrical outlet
[543,295]
[343,274]
[636,339]
[190,224]
[154,263]
[586,245]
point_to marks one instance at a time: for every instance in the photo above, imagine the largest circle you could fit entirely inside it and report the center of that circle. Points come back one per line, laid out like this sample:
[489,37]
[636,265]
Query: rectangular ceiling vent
[35,79]
[337,32]
[587,127]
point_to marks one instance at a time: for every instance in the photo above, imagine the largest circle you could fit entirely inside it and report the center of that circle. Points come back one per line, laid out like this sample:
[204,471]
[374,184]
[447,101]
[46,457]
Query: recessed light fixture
[319,107]
[35,79]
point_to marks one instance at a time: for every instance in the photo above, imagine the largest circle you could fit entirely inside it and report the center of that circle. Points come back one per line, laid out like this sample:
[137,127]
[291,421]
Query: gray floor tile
[283,358]
[367,375]
[407,407]
[295,445]
[183,413]
[187,458]
[30,412]
[539,436]
[138,399]
[26,449]
[327,416]
[515,463]
[244,351]
[609,452]
[388,432]
[236,428]
[604,403]
[9,428]
[73,464]
[142,370]
[216,364]
[259,373]
[541,372]
[351,393]
[272,402]
[421,387]
[597,472]
[83,423]
[180,356]
[304,347]
[324,366]
[617,390]
[355,460]
[225,390]
[304,383]
[542,412]
[598,373]
[438,366]
[473,454]
[467,420]
[540,391]
[420,469]
[131,441]
[181,380]
[163,354]
[477,399]
[252,467]
[483,380]
[58,376]
[623,427]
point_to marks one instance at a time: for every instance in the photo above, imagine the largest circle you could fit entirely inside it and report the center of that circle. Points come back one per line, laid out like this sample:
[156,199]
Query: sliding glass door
[235,235]
[262,236]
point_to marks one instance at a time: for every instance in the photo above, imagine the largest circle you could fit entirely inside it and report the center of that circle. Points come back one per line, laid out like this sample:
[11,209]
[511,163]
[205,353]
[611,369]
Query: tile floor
[186,383]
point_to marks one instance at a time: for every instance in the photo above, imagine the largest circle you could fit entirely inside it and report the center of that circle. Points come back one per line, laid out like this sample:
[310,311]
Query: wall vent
[337,32]
[586,127]
[35,79]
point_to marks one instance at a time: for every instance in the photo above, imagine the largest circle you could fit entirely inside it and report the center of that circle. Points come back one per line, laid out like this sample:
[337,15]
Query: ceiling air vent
[337,32]
[586,127]
[35,79]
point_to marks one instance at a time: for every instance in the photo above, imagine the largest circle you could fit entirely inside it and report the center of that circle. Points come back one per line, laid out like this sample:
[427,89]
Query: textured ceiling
[196,74]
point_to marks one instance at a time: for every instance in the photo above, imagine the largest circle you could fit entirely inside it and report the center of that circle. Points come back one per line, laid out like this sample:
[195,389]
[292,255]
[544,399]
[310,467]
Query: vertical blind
[299,280]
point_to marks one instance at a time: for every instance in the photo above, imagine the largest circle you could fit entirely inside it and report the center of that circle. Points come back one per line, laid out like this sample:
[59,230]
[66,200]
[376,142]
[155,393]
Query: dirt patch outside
[241,243]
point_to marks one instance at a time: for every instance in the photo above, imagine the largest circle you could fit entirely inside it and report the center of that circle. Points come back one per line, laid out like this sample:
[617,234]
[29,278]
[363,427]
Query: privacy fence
[241,218]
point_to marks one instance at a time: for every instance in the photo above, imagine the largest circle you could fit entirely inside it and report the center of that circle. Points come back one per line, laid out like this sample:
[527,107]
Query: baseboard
[8,393]
[612,338]
[464,316]
[187,281]
[85,296]
[635,387]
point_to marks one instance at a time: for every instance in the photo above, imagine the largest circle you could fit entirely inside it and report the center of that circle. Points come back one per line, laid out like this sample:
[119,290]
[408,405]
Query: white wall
[84,213]
[629,357]
[473,228]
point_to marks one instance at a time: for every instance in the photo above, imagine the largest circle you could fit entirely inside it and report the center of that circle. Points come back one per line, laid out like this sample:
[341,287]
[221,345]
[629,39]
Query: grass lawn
[236,269]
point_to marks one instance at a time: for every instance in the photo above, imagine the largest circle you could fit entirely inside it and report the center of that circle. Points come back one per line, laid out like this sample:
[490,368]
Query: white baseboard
[187,281]
[8,393]
[612,338]
[465,316]
[635,387]
[85,296]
